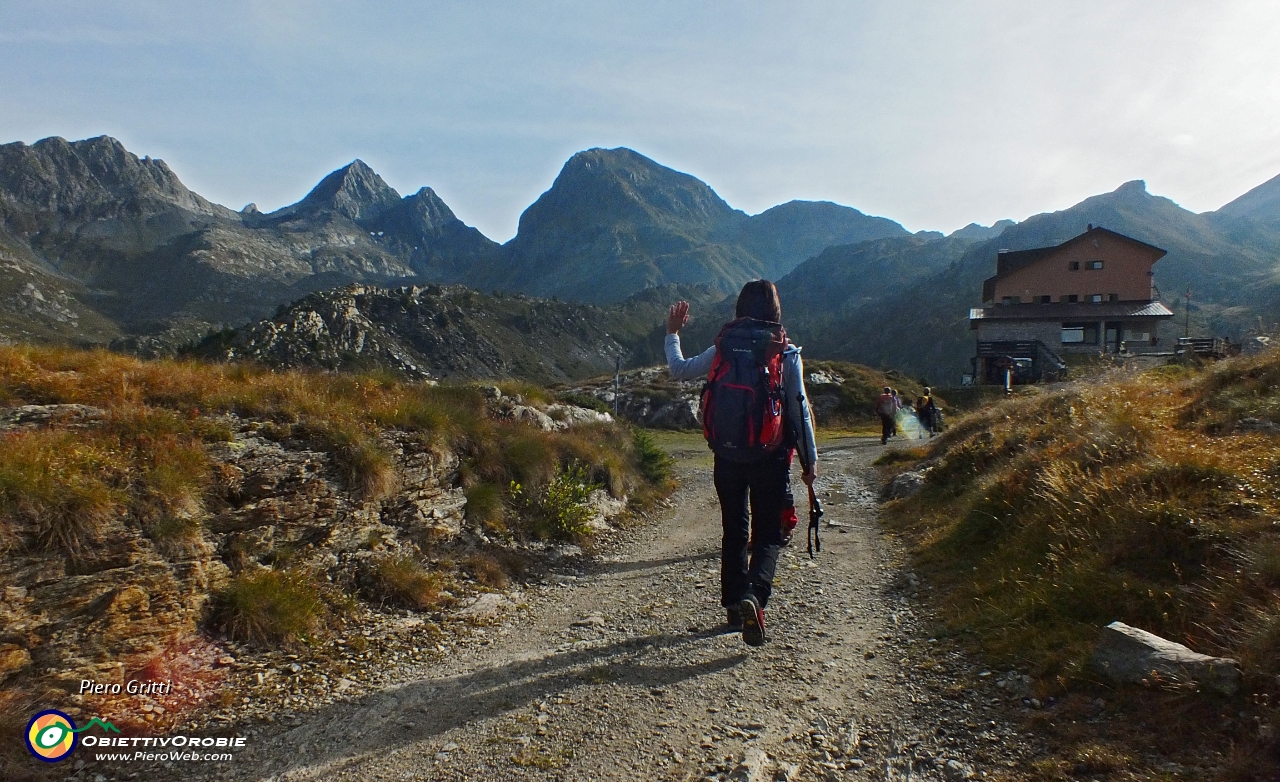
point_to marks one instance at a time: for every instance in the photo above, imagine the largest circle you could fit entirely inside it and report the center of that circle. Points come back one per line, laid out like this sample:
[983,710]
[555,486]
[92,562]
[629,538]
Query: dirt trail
[624,672]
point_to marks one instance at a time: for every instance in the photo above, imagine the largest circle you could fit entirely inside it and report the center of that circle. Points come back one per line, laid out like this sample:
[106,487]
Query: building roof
[1012,260]
[1009,261]
[1110,310]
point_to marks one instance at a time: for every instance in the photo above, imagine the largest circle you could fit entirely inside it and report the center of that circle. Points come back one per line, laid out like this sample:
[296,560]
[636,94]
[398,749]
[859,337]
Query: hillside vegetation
[150,507]
[1153,500]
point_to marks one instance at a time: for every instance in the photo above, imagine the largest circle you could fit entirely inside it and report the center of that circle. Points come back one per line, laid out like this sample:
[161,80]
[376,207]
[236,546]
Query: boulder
[1127,655]
[572,415]
[907,484]
[45,415]
[824,378]
[532,416]
[680,414]
[485,608]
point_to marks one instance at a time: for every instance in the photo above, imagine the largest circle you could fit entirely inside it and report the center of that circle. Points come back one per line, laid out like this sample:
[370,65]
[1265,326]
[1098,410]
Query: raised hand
[677,317]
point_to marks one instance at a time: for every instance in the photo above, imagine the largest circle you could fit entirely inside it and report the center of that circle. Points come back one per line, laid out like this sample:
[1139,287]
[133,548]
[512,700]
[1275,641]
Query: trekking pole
[815,513]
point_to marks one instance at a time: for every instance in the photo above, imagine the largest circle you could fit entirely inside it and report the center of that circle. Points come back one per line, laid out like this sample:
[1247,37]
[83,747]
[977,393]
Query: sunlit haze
[931,114]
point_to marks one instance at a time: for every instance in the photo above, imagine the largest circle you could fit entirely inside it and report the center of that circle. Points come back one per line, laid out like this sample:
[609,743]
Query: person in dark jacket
[927,411]
[746,577]
[887,408]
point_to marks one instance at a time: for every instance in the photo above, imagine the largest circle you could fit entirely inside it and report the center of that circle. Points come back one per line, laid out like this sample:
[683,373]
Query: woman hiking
[755,414]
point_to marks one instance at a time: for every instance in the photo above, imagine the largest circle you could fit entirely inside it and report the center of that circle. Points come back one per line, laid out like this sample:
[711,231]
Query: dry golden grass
[1151,500]
[274,608]
[146,462]
[403,581]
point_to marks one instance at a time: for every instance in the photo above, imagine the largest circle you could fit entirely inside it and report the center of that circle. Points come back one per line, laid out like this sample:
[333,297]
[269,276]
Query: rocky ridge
[436,332]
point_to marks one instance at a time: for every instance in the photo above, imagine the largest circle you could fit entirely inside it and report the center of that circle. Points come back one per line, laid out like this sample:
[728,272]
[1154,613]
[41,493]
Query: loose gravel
[618,667]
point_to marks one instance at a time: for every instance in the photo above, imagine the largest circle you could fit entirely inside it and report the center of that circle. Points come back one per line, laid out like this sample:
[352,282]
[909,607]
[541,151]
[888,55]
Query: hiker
[927,411]
[754,412]
[887,408]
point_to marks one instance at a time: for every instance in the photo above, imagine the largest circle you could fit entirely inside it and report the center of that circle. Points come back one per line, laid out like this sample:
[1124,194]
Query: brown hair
[759,300]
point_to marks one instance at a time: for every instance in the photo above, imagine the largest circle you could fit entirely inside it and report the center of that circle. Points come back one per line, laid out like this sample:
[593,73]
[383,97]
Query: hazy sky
[932,113]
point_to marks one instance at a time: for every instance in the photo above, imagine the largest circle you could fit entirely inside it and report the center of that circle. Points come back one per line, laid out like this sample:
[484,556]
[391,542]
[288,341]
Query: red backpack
[742,401]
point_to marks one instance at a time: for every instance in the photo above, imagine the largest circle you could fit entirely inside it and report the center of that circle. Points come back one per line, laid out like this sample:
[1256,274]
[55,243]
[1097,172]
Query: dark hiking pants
[761,488]
[888,426]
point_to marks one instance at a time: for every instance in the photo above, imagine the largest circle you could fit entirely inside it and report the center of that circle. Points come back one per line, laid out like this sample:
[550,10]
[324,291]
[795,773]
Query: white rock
[905,485]
[485,608]
[1128,655]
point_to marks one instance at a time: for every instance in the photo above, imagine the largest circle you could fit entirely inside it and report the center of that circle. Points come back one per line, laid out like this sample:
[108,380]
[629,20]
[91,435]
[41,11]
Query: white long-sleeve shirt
[797,402]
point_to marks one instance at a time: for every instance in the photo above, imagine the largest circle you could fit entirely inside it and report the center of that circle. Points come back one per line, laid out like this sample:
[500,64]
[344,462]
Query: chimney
[1090,228]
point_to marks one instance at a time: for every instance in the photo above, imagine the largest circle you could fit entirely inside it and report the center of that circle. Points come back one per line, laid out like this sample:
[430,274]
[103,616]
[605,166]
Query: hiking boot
[752,621]
[733,619]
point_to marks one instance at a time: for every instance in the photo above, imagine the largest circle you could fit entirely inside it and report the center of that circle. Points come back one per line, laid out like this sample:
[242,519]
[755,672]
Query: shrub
[655,464]
[487,570]
[274,608]
[485,507]
[402,580]
[364,465]
[561,510]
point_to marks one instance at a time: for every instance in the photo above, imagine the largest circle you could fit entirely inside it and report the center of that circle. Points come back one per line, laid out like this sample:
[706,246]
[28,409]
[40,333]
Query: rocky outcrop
[436,332]
[647,397]
[1127,655]
[275,500]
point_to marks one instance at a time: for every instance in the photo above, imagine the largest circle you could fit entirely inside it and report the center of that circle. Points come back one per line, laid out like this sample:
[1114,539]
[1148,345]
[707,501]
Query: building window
[1075,266]
[1010,300]
[1069,299]
[1093,265]
[1079,333]
[1113,297]
[1046,299]
[1095,298]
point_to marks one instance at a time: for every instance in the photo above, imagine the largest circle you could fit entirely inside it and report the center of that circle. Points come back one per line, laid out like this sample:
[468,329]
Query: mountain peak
[354,191]
[97,174]
[602,186]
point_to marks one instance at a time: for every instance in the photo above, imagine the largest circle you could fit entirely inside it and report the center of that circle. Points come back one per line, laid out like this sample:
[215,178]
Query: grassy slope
[1152,500]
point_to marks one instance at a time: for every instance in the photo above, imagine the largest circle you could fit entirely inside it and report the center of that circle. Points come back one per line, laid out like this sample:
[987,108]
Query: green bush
[561,510]
[655,464]
[485,507]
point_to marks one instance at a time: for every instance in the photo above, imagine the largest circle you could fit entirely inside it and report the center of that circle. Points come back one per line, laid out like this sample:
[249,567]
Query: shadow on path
[412,712]
[651,564]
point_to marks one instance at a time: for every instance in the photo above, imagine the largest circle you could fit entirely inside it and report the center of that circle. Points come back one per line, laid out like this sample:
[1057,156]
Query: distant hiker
[754,414]
[927,412]
[887,408]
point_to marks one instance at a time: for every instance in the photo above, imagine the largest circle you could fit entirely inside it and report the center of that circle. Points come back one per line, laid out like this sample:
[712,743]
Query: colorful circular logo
[51,736]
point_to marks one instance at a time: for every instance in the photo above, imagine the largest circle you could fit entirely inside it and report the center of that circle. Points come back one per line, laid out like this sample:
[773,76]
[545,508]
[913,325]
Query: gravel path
[623,671]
